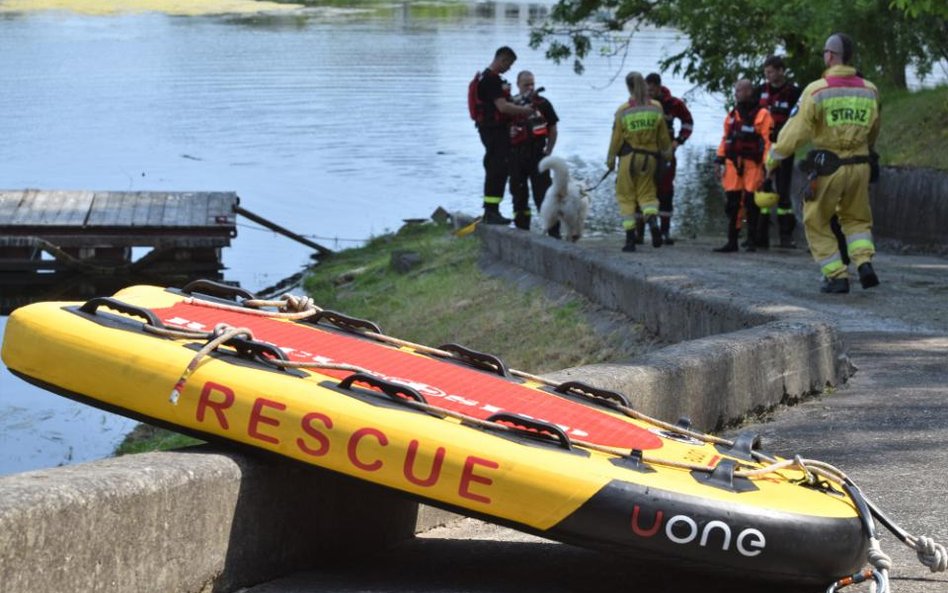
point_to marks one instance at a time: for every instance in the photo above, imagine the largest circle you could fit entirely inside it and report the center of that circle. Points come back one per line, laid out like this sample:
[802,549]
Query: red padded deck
[445,384]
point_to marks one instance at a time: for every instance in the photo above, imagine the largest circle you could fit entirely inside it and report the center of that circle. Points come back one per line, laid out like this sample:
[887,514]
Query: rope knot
[877,558]
[296,304]
[931,554]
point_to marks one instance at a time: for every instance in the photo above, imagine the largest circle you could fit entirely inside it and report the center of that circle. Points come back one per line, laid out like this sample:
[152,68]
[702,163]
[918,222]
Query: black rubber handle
[478,360]
[602,397]
[344,321]
[217,289]
[395,391]
[92,305]
[249,348]
[541,431]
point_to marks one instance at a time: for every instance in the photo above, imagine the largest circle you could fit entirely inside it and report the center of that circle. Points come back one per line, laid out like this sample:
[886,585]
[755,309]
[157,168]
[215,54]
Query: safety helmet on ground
[765,199]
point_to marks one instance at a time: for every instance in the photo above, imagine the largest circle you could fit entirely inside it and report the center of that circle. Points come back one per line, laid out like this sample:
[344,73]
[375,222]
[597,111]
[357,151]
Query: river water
[337,123]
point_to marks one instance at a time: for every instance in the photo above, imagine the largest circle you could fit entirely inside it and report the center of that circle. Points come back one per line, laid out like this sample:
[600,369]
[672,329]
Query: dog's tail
[560,173]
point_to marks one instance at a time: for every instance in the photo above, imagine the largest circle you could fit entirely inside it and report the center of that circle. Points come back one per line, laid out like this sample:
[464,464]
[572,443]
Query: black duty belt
[823,162]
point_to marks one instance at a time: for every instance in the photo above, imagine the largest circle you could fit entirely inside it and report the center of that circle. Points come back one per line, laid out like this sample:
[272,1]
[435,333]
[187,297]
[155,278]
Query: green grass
[913,128]
[146,438]
[447,298]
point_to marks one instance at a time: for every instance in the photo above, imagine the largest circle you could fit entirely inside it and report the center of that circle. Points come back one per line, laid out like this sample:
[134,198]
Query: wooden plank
[101,213]
[170,213]
[156,209]
[9,203]
[26,212]
[73,208]
[185,210]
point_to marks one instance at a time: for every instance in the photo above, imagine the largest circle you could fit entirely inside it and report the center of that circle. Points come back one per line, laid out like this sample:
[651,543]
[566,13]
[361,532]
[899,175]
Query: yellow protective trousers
[635,187]
[846,194]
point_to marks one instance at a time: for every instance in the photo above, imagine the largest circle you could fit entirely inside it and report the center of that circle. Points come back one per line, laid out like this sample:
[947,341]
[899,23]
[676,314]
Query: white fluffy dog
[564,202]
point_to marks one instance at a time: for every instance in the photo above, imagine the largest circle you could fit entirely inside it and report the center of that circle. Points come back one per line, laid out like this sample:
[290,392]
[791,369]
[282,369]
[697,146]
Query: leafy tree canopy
[727,41]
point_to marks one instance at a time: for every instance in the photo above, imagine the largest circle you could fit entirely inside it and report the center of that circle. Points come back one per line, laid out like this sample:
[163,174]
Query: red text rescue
[314,440]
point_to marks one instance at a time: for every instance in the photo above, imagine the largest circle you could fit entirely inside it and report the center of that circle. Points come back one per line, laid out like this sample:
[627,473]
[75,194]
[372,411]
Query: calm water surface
[337,124]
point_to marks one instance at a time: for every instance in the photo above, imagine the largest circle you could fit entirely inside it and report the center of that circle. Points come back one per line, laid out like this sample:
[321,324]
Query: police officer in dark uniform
[779,96]
[492,109]
[531,139]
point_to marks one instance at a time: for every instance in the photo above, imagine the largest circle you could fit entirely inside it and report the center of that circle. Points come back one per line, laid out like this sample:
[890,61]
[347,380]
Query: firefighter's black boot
[492,215]
[867,276]
[522,220]
[654,230]
[763,232]
[629,241]
[640,230]
[834,285]
[732,232]
[786,223]
[666,230]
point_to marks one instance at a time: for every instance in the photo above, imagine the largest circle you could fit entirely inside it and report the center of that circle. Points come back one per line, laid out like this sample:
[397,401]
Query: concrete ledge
[733,357]
[198,520]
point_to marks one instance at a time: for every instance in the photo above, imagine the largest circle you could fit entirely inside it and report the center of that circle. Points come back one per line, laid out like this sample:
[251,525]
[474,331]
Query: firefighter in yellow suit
[840,115]
[640,140]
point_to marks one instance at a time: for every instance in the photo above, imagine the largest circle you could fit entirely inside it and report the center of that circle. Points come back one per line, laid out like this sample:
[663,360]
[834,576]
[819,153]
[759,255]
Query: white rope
[881,563]
[930,553]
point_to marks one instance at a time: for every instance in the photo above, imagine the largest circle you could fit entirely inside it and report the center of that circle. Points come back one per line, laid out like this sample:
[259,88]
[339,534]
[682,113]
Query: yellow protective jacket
[640,127]
[839,112]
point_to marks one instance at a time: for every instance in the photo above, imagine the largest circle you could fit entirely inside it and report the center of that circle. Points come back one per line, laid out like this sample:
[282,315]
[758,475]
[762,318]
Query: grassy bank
[913,128]
[446,297]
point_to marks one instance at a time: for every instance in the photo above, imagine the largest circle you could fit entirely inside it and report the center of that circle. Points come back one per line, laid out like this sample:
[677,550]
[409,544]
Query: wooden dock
[94,232]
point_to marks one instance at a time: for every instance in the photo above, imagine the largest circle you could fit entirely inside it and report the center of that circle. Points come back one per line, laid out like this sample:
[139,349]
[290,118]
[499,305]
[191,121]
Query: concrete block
[190,521]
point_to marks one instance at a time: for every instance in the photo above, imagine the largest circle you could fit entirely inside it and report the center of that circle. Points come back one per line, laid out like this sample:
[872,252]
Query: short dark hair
[505,51]
[653,78]
[775,62]
[847,47]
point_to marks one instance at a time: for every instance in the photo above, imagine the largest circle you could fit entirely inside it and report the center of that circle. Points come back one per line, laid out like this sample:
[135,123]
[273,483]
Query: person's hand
[675,146]
[610,165]
[771,165]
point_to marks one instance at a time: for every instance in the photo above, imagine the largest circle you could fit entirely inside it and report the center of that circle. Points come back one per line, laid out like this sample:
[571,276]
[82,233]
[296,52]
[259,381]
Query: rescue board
[448,425]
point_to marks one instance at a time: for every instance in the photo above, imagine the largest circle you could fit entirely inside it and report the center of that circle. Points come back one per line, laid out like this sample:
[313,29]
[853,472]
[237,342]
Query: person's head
[525,82]
[504,58]
[653,83]
[838,50]
[775,70]
[743,91]
[637,88]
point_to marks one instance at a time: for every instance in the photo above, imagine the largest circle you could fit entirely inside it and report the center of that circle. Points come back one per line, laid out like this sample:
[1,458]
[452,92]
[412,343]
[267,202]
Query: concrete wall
[198,520]
[909,208]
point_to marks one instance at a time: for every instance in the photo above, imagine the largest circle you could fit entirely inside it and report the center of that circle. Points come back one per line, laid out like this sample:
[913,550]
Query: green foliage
[913,129]
[730,41]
